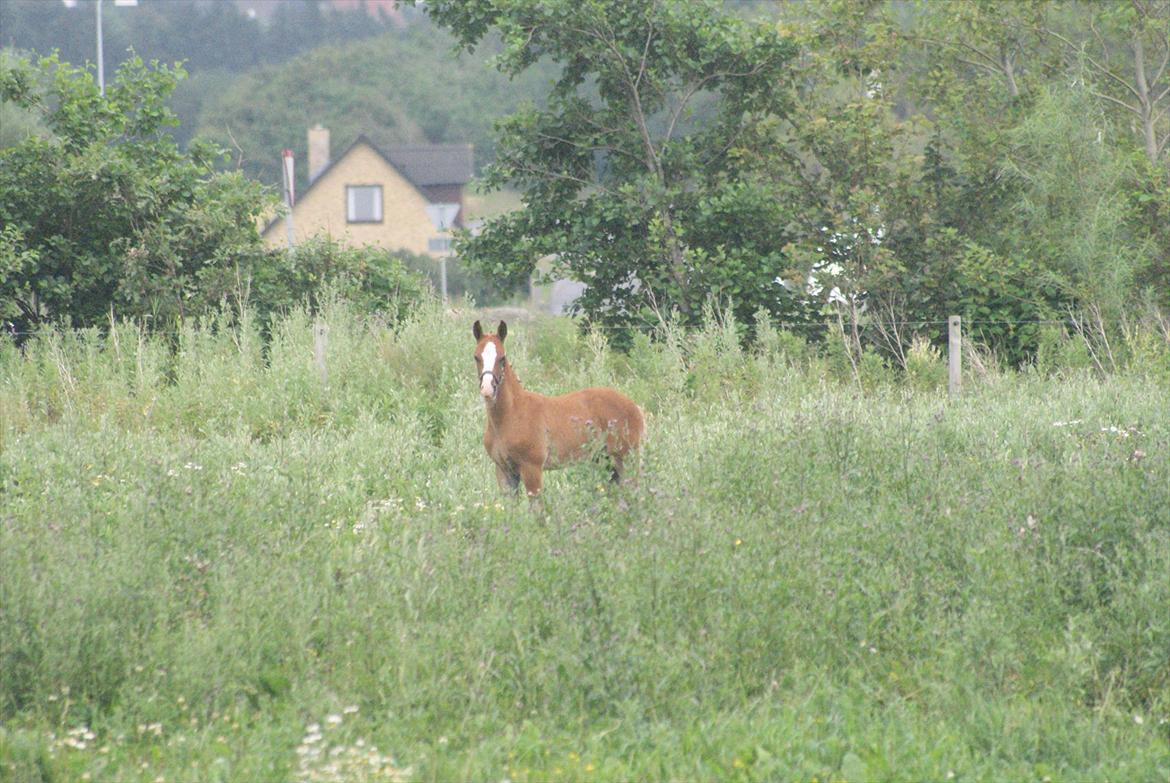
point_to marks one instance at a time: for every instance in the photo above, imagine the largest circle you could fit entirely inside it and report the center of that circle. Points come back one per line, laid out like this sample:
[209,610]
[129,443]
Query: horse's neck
[511,396]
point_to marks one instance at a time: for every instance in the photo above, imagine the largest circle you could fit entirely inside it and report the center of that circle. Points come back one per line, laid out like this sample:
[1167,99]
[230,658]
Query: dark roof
[423,165]
[433,164]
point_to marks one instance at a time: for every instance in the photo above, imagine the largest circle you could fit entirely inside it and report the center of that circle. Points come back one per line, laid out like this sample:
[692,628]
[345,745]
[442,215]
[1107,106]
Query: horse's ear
[502,331]
[477,330]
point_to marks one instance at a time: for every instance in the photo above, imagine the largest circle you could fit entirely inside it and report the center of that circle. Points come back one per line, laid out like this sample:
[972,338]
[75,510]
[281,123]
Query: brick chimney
[318,151]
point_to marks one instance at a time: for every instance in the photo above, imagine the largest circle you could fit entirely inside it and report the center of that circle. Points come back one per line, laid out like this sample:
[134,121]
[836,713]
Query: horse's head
[490,359]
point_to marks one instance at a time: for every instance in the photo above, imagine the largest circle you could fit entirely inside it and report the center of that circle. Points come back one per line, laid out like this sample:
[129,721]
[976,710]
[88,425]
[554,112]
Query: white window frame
[351,203]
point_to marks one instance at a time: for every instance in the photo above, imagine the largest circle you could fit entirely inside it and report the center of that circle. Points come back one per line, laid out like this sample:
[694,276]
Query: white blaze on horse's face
[487,376]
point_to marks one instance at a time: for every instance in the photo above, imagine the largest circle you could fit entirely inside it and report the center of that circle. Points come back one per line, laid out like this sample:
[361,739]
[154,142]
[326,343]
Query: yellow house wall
[322,210]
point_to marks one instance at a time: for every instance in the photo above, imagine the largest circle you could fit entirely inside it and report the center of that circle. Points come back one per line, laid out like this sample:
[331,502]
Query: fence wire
[615,328]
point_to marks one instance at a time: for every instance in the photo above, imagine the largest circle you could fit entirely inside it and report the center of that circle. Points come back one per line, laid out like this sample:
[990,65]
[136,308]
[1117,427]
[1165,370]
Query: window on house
[363,203]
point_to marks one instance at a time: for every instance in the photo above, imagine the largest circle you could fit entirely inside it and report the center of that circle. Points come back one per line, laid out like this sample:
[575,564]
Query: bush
[371,279]
[104,213]
[925,368]
[873,370]
[779,345]
[1147,344]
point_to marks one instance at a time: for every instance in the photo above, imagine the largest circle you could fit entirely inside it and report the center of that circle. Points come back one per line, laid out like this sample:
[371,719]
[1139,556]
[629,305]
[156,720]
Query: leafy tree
[983,65]
[16,123]
[1123,50]
[1000,42]
[1013,200]
[1119,52]
[640,176]
[1046,176]
[857,166]
[1074,207]
[105,213]
[902,217]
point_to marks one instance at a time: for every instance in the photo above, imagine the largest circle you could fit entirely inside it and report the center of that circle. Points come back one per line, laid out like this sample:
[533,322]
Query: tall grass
[213,566]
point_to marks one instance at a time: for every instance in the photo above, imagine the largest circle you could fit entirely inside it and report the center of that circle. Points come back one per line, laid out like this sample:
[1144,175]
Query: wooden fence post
[320,340]
[954,355]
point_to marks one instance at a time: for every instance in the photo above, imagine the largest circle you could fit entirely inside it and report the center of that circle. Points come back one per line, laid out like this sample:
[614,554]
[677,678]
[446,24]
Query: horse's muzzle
[489,385]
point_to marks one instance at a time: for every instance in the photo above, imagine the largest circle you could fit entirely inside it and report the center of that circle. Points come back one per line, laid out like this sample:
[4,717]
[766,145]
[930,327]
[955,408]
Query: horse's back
[604,410]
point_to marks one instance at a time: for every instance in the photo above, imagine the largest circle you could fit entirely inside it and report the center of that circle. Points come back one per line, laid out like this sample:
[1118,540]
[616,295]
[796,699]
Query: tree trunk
[1149,132]
[1009,72]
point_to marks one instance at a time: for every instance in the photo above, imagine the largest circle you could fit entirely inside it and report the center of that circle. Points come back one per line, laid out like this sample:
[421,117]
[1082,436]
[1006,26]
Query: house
[388,198]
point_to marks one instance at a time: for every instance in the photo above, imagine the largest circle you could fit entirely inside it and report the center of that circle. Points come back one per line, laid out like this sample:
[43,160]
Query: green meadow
[216,566]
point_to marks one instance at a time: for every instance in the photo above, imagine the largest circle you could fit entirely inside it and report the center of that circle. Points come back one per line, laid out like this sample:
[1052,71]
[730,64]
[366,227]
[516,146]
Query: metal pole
[443,276]
[100,58]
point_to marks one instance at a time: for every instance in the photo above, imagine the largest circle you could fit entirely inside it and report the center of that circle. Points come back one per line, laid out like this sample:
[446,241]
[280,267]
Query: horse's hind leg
[508,480]
[619,473]
[615,473]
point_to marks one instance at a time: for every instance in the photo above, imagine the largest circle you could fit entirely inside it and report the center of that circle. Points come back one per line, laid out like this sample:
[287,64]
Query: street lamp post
[101,52]
[101,65]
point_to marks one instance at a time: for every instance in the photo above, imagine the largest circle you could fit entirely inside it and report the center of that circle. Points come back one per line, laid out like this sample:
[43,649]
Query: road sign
[442,215]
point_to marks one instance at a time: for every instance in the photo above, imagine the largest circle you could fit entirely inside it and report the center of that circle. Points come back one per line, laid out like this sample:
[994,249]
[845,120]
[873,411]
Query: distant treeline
[215,40]
[207,35]
[255,86]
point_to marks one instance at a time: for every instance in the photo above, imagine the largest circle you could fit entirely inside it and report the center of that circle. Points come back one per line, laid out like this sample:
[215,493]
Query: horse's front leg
[530,473]
[508,480]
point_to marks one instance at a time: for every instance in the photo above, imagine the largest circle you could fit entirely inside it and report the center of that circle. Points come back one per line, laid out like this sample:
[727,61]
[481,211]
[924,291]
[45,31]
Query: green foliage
[926,369]
[873,185]
[16,122]
[1075,206]
[105,213]
[715,359]
[1084,341]
[637,176]
[1129,81]
[1057,351]
[1002,298]
[873,371]
[1151,195]
[371,279]
[213,566]
[1032,169]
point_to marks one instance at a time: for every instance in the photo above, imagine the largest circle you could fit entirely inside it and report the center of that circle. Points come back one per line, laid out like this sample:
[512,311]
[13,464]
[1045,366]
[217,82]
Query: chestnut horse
[528,432]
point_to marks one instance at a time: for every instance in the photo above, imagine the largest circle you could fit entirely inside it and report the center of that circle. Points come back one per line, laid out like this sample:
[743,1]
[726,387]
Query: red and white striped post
[287,169]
